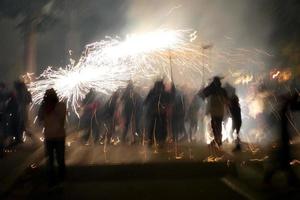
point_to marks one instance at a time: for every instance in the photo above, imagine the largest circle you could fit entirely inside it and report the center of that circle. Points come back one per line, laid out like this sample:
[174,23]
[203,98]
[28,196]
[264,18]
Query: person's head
[217,81]
[19,85]
[51,96]
[159,85]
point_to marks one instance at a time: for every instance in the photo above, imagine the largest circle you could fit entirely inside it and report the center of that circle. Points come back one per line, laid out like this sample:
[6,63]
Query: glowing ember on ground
[260,160]
[213,159]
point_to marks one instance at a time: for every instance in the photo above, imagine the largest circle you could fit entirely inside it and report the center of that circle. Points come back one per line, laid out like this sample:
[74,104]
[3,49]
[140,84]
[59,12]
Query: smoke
[238,30]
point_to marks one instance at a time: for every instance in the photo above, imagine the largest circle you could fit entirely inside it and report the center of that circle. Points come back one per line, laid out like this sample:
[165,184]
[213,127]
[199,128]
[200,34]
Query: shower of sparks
[111,63]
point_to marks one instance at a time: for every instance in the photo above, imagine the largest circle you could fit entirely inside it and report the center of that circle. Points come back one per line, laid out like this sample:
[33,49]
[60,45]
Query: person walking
[218,101]
[52,114]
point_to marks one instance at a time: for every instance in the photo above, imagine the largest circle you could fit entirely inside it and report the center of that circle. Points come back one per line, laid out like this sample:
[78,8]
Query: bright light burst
[110,63]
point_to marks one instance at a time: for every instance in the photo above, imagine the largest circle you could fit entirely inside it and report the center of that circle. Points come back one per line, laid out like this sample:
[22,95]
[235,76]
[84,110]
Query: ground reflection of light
[211,159]
[226,130]
[260,159]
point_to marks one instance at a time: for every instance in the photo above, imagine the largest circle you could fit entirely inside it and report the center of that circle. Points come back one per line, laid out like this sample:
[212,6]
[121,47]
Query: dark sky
[273,25]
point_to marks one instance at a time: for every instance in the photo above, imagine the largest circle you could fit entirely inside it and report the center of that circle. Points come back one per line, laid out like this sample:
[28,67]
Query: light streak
[109,64]
[276,74]
[260,159]
[142,57]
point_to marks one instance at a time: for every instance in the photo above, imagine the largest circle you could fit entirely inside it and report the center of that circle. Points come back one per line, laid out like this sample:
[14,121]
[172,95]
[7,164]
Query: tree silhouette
[32,17]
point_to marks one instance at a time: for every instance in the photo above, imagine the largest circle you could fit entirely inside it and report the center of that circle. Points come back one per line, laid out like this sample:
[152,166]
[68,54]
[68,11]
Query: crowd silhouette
[166,114]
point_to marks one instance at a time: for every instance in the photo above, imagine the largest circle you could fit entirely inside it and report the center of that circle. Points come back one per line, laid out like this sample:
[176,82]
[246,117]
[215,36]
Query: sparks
[111,63]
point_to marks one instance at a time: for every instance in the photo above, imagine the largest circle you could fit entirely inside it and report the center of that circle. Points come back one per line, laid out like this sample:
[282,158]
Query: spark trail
[110,63]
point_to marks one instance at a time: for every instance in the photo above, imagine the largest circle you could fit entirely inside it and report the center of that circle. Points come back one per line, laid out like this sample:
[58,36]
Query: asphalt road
[137,172]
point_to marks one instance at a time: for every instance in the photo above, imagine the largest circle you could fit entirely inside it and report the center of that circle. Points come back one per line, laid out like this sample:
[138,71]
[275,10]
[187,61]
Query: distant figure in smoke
[158,103]
[108,115]
[23,98]
[132,106]
[52,114]
[282,157]
[88,120]
[3,99]
[12,118]
[218,101]
[192,116]
[178,115]
[235,113]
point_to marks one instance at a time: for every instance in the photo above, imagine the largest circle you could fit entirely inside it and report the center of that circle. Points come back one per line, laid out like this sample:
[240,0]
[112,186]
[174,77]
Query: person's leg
[219,130]
[126,126]
[95,129]
[163,130]
[60,157]
[49,151]
[151,130]
[216,125]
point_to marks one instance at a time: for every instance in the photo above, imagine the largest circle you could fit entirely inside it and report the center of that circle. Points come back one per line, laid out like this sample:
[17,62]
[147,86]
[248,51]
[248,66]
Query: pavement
[15,161]
[137,172]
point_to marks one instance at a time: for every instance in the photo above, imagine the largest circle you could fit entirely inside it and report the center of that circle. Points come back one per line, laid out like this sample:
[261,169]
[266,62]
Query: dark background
[60,25]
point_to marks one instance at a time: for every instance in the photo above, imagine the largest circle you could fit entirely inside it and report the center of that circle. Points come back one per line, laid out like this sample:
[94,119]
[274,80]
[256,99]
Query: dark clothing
[178,115]
[217,105]
[235,111]
[88,120]
[23,98]
[107,115]
[216,125]
[282,157]
[192,115]
[3,98]
[132,113]
[55,150]
[158,102]
[13,118]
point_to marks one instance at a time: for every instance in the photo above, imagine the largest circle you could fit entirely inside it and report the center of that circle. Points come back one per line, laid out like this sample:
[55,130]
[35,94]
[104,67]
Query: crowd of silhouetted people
[163,114]
[166,112]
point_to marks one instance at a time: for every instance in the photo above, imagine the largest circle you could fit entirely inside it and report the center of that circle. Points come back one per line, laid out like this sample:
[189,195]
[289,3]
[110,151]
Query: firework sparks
[109,64]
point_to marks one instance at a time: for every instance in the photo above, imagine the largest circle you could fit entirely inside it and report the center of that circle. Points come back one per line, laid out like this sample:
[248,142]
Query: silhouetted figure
[178,116]
[3,99]
[52,114]
[108,114]
[88,119]
[192,116]
[216,106]
[23,98]
[282,157]
[132,106]
[158,103]
[235,112]
[153,110]
[12,118]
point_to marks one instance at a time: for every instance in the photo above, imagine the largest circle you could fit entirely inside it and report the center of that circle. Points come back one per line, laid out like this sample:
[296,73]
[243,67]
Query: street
[138,172]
